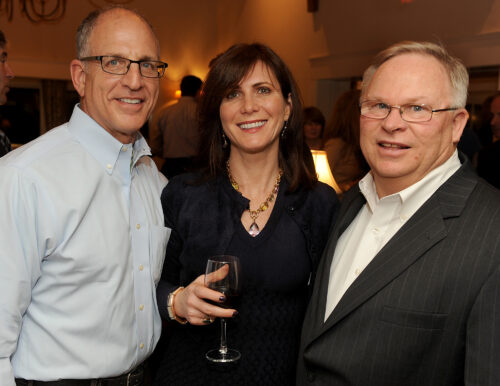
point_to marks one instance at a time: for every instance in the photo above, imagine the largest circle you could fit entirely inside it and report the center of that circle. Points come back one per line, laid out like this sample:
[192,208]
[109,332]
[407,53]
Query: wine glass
[229,284]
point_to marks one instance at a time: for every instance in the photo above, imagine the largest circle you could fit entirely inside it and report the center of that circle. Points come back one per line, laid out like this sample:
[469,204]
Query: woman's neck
[255,173]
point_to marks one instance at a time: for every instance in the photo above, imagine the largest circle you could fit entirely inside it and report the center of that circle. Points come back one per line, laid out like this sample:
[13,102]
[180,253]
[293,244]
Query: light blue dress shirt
[82,244]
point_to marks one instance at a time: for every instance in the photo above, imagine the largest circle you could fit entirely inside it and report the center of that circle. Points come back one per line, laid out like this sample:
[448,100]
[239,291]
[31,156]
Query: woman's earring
[224,141]
[283,131]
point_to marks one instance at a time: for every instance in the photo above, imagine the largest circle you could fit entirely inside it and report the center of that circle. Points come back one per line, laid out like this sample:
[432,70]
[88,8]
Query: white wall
[336,42]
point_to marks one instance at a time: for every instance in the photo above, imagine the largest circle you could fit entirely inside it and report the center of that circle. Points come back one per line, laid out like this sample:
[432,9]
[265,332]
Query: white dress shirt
[376,223]
[82,243]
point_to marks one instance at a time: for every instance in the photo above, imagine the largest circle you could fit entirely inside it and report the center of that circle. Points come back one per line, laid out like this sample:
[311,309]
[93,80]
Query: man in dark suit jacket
[408,290]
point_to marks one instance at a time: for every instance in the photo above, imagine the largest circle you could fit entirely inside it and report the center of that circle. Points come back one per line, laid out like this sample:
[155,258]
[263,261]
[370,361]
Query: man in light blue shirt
[81,229]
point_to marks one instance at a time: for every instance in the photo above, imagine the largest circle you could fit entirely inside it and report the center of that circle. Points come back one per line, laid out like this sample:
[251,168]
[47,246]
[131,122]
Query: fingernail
[235,313]
[222,299]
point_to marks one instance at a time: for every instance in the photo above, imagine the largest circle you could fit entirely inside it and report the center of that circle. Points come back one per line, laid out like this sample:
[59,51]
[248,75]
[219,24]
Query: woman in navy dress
[257,198]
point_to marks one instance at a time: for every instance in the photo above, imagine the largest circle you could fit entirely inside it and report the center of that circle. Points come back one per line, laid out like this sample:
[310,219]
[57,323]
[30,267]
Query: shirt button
[141,307]
[375,230]
[141,346]
[138,226]
[141,267]
[109,166]
[124,148]
[357,271]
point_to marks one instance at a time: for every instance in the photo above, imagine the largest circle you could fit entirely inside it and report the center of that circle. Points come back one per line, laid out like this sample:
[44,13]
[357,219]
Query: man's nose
[133,77]
[394,121]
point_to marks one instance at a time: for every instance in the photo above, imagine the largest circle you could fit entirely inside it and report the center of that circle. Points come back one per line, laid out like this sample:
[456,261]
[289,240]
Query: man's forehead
[120,29]
[413,62]
[411,74]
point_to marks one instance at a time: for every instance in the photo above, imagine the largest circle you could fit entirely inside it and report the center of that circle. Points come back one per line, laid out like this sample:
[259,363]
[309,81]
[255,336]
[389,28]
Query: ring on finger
[208,319]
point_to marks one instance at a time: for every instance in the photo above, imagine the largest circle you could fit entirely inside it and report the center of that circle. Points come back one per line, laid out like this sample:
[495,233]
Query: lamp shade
[323,169]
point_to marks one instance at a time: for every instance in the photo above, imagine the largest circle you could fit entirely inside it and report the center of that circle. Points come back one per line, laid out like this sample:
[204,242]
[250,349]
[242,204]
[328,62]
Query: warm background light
[323,169]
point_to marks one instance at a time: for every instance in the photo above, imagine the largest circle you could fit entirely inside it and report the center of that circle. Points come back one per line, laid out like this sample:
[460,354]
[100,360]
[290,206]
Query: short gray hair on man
[88,24]
[459,77]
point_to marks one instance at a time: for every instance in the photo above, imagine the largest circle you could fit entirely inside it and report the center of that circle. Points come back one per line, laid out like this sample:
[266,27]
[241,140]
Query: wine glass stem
[223,341]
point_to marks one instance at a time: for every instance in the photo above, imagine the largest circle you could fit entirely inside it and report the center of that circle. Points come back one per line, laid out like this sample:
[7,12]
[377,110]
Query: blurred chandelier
[37,11]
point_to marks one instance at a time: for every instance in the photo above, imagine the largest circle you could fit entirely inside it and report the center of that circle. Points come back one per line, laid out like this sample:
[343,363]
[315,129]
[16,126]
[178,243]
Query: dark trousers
[137,377]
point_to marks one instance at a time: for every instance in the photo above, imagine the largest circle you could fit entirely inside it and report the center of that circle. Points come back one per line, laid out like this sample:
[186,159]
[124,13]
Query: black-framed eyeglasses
[412,113]
[3,57]
[120,66]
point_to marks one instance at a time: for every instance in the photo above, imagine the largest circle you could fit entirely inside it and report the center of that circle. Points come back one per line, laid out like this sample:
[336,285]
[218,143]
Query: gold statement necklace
[254,228]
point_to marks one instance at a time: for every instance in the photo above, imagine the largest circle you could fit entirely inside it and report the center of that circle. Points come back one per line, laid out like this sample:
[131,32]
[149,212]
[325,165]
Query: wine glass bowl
[222,274]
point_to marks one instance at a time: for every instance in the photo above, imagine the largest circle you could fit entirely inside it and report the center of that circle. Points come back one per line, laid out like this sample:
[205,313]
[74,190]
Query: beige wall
[336,42]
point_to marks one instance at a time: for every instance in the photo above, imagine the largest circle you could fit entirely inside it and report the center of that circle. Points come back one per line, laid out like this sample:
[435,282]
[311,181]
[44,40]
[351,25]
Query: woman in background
[314,125]
[341,140]
[258,199]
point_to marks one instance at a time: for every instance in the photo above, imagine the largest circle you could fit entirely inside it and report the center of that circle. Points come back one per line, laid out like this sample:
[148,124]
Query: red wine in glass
[223,274]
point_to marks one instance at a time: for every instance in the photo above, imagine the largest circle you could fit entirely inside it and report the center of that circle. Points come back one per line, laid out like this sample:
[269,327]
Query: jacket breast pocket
[413,319]
[158,239]
[407,338]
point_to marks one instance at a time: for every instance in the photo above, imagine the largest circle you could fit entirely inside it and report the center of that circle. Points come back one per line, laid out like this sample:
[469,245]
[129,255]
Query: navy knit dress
[276,268]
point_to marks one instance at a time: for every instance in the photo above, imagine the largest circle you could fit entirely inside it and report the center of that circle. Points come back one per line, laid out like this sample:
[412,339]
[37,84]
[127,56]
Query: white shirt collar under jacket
[376,223]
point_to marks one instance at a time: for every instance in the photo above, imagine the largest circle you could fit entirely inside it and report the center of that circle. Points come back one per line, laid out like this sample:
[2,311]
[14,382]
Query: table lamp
[323,169]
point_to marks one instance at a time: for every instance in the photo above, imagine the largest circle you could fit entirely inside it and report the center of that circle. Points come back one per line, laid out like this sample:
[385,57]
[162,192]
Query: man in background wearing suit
[408,291]
[6,75]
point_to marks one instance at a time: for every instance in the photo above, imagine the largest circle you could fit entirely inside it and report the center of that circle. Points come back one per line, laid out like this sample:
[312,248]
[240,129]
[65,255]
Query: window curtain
[55,103]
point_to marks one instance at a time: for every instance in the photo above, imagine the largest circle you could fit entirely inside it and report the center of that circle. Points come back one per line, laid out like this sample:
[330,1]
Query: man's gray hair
[87,26]
[457,72]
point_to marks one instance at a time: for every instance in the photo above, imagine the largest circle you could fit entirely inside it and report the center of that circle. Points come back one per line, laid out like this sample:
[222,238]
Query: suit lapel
[351,204]
[410,243]
[418,235]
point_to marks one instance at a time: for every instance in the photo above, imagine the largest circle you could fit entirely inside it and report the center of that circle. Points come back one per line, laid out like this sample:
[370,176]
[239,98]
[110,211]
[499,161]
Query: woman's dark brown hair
[313,114]
[226,72]
[344,124]
[344,120]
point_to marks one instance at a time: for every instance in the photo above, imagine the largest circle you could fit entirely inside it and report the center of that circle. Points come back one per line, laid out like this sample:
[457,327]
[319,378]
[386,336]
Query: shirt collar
[99,143]
[415,195]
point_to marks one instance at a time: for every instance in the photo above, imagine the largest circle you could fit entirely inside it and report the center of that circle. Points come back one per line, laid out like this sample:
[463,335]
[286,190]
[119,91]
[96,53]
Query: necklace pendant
[254,229]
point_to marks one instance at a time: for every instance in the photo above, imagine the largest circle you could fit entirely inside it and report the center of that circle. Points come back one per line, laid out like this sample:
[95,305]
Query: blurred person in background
[341,139]
[6,75]
[314,125]
[488,160]
[176,137]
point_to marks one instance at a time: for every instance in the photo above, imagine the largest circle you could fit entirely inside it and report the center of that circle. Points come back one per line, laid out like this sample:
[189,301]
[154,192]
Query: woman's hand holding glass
[198,304]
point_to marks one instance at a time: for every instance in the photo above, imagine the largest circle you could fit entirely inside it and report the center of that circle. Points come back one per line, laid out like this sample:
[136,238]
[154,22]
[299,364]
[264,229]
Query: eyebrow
[142,58]
[263,83]
[413,100]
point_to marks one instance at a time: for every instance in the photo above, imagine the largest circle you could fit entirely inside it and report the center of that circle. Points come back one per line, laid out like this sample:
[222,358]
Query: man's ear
[459,122]
[78,75]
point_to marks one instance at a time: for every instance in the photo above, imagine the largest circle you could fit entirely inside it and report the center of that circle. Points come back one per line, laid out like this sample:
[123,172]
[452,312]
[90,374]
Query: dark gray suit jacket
[426,310]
